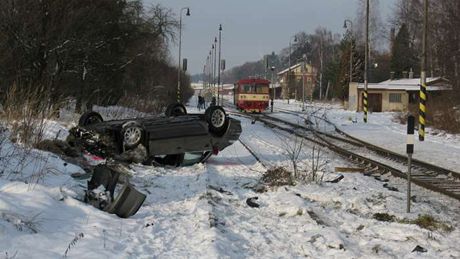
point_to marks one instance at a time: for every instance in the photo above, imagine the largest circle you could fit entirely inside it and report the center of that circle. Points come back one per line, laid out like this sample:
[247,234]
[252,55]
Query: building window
[395,98]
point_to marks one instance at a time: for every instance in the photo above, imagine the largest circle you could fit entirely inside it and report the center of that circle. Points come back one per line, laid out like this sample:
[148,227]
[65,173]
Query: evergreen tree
[403,56]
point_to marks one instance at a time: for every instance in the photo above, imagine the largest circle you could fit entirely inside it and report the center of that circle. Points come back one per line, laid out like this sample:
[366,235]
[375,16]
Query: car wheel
[217,119]
[132,134]
[89,118]
[175,109]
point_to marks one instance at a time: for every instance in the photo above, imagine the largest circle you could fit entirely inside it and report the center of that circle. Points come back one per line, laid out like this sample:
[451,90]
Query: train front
[252,94]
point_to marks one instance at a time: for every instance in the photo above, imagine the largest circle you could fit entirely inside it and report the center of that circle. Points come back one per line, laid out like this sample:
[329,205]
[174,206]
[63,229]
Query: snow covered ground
[201,211]
[439,148]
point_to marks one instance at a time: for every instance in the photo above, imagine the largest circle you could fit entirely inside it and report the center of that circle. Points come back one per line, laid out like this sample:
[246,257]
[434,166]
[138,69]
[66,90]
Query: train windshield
[254,89]
[261,89]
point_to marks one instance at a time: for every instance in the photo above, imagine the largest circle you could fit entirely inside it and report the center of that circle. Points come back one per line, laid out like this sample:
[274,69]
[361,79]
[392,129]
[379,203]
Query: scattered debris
[260,188]
[349,169]
[336,180]
[58,147]
[251,202]
[219,189]
[214,221]
[384,217]
[148,225]
[316,218]
[135,155]
[380,179]
[419,249]
[391,188]
[101,189]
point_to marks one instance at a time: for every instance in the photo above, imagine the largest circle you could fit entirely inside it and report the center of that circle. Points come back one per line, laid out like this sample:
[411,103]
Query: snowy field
[201,211]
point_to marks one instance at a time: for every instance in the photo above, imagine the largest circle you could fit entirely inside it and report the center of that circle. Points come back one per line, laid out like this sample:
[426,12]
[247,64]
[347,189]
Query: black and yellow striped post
[422,109]
[422,101]
[366,64]
[365,104]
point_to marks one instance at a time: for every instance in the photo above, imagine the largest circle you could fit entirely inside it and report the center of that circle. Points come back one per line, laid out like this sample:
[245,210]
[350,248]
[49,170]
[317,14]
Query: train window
[261,89]
[246,89]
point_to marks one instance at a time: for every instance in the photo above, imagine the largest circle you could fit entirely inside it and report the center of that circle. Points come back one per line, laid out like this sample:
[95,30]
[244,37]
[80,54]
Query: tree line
[95,52]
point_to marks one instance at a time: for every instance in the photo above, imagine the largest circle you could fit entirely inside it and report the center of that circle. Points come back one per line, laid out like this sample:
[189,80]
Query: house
[394,95]
[291,81]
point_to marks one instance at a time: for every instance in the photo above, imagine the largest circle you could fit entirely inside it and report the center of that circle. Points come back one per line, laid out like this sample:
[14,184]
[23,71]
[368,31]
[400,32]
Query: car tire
[217,119]
[175,109]
[132,134]
[89,118]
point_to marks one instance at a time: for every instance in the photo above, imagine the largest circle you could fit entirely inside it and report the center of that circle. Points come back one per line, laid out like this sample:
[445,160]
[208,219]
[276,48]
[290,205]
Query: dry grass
[24,114]
[429,222]
[25,110]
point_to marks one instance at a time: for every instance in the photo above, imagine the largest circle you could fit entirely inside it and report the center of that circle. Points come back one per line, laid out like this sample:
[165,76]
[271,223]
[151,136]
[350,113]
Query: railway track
[376,160]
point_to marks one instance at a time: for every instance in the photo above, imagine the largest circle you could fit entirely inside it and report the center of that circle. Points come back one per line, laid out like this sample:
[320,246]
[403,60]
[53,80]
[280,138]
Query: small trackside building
[394,95]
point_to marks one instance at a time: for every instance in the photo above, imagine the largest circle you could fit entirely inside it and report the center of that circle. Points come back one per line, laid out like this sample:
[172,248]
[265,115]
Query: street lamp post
[180,43]
[215,67]
[289,68]
[273,86]
[351,47]
[218,66]
[212,71]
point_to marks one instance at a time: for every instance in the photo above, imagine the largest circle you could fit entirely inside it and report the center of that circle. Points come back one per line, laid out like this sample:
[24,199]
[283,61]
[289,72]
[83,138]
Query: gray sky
[252,28]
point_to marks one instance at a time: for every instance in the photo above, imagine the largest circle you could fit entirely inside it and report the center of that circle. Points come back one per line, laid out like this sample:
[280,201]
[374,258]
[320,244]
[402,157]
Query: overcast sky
[252,28]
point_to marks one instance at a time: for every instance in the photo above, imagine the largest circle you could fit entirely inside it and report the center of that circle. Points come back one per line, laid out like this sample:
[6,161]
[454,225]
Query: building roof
[410,84]
[287,69]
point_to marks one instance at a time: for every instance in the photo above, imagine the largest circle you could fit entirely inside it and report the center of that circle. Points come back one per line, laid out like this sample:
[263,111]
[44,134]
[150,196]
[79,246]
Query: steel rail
[447,187]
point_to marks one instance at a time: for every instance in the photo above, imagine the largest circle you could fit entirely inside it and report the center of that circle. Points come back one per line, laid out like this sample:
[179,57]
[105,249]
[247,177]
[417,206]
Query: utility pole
[321,68]
[422,101]
[304,63]
[366,61]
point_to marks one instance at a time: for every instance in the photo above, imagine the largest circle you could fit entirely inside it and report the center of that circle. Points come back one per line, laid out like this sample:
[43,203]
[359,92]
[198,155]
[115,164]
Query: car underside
[176,138]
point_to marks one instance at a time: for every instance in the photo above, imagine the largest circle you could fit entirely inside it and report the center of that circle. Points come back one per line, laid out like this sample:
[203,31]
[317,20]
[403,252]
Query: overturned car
[175,138]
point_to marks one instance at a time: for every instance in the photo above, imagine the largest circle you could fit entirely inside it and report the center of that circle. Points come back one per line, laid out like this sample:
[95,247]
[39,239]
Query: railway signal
[409,151]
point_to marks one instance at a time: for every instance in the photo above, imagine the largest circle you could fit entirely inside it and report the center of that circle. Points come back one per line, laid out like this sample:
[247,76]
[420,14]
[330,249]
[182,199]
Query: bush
[443,113]
[277,176]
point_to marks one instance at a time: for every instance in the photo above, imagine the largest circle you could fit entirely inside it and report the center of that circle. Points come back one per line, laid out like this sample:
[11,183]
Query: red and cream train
[252,94]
